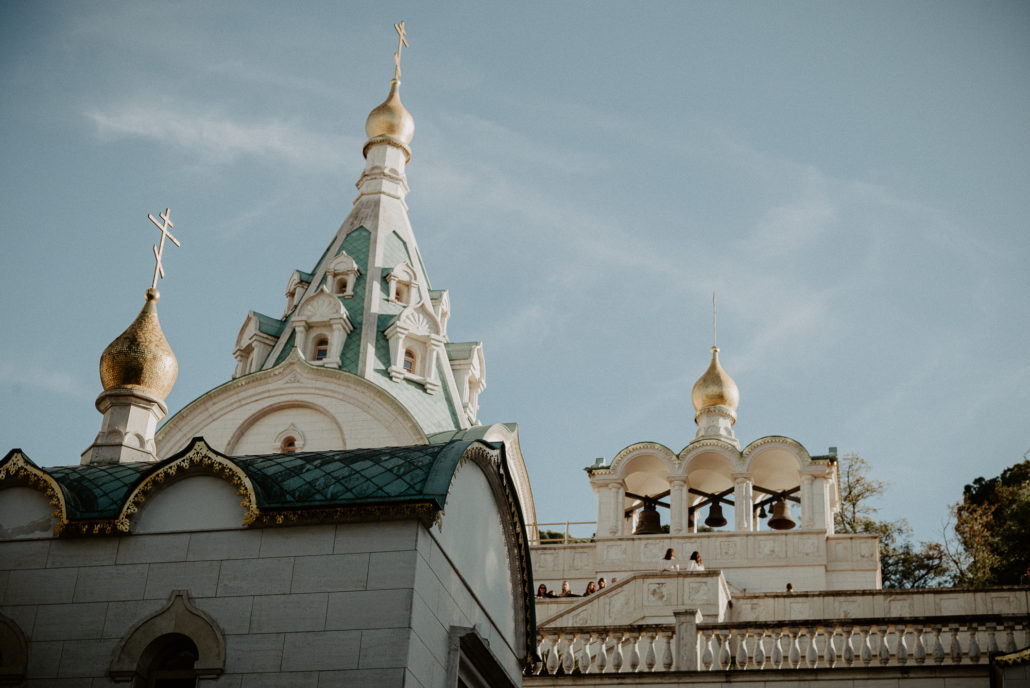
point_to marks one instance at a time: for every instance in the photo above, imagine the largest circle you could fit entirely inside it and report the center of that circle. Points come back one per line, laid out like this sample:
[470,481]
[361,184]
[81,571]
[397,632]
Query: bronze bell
[715,518]
[781,519]
[648,521]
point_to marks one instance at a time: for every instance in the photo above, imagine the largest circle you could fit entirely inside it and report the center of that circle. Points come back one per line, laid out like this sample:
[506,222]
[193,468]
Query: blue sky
[853,179]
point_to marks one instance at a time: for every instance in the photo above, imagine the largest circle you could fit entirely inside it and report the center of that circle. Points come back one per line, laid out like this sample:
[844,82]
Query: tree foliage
[992,523]
[902,564]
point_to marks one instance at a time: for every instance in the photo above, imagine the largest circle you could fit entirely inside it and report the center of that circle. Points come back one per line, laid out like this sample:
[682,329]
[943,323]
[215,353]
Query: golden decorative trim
[20,471]
[199,459]
[1013,658]
[424,511]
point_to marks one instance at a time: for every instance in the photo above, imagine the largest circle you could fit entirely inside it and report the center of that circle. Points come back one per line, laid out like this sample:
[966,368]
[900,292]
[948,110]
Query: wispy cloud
[47,379]
[220,139]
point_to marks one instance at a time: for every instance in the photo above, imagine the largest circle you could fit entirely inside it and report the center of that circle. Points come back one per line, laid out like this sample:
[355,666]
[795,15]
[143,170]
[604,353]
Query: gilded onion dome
[391,119]
[140,358]
[716,387]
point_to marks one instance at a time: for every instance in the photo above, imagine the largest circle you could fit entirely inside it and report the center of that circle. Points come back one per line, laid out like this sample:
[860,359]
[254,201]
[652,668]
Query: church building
[334,515]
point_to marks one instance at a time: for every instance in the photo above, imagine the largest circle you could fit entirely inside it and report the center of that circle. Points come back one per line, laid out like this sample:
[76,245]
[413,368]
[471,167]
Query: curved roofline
[293,360]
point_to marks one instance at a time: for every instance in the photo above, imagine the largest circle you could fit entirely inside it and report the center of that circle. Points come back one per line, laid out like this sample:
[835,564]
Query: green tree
[902,564]
[992,523]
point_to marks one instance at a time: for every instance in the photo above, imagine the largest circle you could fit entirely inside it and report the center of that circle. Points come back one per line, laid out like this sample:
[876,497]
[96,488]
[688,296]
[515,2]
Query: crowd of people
[566,589]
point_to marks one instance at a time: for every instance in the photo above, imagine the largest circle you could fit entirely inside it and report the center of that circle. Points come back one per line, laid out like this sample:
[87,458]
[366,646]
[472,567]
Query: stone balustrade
[812,644]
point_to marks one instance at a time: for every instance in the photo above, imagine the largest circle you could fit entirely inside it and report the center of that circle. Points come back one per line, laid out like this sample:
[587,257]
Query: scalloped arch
[197,459]
[16,469]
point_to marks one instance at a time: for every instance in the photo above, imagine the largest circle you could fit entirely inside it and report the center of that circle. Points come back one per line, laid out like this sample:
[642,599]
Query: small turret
[137,371]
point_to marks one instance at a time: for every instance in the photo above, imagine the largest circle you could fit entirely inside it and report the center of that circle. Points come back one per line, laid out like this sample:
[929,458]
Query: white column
[677,507]
[742,502]
[618,517]
[807,506]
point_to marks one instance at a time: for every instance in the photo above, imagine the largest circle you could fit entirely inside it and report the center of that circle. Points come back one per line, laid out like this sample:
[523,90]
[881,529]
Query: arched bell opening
[710,496]
[646,483]
[776,486]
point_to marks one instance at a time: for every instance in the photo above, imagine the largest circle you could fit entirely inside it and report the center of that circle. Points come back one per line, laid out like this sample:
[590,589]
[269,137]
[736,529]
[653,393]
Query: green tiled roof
[348,477]
[268,324]
[356,476]
[356,244]
[98,490]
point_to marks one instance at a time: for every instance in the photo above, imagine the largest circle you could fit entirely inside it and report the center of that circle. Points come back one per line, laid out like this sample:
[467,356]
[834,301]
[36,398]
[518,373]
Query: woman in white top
[668,562]
[695,562]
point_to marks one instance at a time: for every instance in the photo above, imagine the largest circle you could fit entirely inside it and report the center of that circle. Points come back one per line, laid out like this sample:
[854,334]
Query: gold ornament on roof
[715,387]
[140,358]
[391,119]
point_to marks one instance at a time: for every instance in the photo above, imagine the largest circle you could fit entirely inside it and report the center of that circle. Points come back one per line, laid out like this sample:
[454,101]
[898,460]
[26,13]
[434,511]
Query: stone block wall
[298,606]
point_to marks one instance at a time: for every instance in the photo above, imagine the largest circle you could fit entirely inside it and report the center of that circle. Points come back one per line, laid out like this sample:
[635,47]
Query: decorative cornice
[713,442]
[199,459]
[19,470]
[388,141]
[776,439]
[659,449]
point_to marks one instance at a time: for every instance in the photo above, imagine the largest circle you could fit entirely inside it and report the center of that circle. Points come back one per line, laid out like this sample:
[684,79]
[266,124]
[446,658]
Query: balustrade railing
[835,643]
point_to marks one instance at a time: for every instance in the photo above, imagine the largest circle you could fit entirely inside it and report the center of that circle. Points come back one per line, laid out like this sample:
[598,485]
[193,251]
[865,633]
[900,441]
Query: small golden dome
[140,358]
[716,387]
[391,119]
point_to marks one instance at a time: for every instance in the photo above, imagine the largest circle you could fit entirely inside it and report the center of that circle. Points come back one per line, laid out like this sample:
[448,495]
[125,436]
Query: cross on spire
[159,249]
[715,343]
[402,43]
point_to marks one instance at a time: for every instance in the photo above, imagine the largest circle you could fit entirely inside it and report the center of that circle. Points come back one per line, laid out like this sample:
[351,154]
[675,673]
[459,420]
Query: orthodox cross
[402,43]
[160,248]
[715,344]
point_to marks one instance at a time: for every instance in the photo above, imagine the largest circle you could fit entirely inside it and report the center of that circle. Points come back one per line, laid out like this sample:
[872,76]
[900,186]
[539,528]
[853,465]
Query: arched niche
[165,631]
[14,656]
[25,513]
[195,502]
[261,433]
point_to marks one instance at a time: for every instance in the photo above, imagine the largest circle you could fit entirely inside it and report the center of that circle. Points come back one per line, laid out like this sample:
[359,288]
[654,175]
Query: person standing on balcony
[695,562]
[668,562]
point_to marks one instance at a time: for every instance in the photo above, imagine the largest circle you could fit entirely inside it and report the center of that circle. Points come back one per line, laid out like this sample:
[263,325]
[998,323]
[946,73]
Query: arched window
[168,662]
[321,348]
[341,286]
[409,361]
[289,445]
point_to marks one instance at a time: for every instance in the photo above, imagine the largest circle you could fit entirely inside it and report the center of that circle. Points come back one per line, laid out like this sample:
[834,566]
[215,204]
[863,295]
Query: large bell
[715,518]
[648,521]
[780,519]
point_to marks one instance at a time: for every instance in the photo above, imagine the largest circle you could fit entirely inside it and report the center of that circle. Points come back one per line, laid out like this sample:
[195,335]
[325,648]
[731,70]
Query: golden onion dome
[716,387]
[391,119]
[140,358]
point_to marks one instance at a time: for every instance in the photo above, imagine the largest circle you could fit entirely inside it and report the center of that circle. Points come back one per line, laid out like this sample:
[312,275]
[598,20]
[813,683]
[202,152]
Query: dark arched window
[321,348]
[168,662]
[409,361]
[289,445]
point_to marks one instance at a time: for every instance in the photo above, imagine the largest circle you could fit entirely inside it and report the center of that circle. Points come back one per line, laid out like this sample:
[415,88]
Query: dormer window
[403,285]
[402,294]
[321,349]
[343,274]
[409,361]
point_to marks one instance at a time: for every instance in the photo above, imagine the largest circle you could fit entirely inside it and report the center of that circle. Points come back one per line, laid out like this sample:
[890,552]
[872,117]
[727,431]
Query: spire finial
[402,43]
[715,342]
[159,249]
